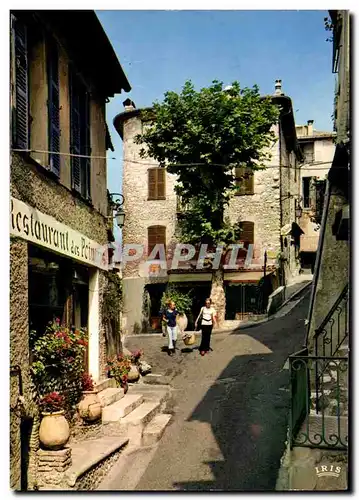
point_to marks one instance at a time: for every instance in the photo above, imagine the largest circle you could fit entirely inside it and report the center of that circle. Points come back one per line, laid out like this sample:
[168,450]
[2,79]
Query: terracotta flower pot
[155,323]
[89,407]
[134,374]
[54,430]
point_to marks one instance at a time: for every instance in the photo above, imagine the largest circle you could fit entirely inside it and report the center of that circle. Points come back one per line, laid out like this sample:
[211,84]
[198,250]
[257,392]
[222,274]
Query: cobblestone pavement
[230,408]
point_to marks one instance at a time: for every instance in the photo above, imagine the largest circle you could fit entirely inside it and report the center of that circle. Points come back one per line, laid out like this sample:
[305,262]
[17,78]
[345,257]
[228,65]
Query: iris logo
[328,470]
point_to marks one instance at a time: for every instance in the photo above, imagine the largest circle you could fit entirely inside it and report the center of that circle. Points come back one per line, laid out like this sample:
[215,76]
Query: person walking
[169,317]
[205,321]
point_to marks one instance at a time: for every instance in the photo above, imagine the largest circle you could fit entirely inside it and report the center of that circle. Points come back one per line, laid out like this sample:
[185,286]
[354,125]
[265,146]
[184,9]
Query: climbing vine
[112,297]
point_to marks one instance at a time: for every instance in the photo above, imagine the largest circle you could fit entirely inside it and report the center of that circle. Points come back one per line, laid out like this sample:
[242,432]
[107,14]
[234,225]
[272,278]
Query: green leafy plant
[59,362]
[52,402]
[182,300]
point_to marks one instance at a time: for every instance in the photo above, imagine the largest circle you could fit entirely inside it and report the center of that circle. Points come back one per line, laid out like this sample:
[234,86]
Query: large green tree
[201,136]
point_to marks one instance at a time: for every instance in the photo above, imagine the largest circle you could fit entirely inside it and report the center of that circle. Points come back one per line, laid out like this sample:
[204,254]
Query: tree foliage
[201,136]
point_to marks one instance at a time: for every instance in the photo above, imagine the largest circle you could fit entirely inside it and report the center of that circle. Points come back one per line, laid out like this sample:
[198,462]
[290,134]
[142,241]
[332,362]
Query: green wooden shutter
[54,106]
[21,84]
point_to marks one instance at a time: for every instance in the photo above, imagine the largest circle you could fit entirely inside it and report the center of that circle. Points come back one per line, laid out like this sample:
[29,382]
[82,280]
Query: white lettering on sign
[30,224]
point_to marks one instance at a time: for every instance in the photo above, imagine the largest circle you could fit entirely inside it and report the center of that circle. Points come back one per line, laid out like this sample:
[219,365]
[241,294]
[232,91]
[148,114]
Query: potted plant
[134,373]
[89,407]
[54,429]
[119,368]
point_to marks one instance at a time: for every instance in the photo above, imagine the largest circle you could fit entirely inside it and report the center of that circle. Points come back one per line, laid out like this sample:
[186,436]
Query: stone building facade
[318,151]
[63,69]
[267,208]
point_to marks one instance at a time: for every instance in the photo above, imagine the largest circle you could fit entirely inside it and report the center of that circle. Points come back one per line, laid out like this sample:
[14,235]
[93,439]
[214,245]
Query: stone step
[142,415]
[90,452]
[155,429]
[109,396]
[119,410]
[160,393]
[105,384]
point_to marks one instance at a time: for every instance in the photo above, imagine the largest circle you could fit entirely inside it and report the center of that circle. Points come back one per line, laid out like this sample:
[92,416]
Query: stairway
[135,419]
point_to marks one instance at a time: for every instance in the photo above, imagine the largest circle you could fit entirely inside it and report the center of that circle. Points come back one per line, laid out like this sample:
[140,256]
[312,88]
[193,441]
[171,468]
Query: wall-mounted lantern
[117,201]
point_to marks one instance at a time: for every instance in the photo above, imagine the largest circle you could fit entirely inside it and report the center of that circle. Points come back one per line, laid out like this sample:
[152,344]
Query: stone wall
[34,187]
[333,273]
[141,212]
[19,349]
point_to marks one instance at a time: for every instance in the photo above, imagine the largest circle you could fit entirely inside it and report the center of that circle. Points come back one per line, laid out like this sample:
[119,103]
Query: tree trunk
[218,296]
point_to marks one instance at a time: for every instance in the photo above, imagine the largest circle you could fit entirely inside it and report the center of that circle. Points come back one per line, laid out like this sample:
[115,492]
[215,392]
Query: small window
[247,233]
[156,236]
[156,184]
[306,191]
[244,179]
[308,151]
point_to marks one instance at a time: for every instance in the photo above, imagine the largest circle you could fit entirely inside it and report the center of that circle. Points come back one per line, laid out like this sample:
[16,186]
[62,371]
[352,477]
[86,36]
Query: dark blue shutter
[75,134]
[21,83]
[54,107]
[86,144]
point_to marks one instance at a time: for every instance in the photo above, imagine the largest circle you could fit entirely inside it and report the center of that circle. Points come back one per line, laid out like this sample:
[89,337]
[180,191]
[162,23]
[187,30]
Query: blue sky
[159,50]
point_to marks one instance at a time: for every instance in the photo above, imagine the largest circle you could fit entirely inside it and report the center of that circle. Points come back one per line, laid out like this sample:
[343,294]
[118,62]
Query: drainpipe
[318,259]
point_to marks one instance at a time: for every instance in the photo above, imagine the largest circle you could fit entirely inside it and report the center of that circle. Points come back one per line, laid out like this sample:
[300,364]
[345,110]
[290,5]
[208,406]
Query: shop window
[156,184]
[58,288]
[20,95]
[80,136]
[244,181]
[156,235]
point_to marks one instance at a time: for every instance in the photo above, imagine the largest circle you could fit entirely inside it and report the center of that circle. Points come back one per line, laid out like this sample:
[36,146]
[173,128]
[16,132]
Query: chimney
[278,88]
[129,105]
[310,127]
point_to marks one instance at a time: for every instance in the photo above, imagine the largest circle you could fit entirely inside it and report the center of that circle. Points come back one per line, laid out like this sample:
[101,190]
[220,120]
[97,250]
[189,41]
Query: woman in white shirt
[206,320]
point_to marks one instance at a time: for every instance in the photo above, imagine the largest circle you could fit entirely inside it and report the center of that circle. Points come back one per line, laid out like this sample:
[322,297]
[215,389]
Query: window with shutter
[21,85]
[53,106]
[247,232]
[156,236]
[156,184]
[244,178]
[80,136]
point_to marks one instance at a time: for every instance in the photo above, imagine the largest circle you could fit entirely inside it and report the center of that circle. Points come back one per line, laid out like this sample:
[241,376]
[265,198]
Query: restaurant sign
[34,226]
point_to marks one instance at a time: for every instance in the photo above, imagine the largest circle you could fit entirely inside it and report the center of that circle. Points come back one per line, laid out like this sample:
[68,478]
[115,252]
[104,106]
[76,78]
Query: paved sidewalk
[230,410]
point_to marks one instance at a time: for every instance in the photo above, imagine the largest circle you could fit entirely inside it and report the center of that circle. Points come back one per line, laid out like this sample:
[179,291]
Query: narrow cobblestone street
[230,409]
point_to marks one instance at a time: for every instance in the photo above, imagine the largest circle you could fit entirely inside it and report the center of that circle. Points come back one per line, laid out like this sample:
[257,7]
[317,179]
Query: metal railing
[335,327]
[319,407]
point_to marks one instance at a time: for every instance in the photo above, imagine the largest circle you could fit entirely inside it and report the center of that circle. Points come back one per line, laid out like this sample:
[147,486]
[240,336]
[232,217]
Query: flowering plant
[52,402]
[87,382]
[118,368]
[59,361]
[135,356]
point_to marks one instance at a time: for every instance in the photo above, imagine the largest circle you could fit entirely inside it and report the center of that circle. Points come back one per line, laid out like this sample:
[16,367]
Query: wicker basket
[190,340]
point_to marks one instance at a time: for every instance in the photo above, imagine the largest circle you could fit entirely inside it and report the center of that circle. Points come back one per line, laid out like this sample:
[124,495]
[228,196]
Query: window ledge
[244,194]
[156,199]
